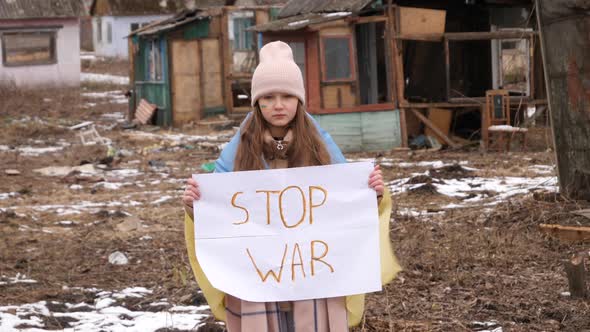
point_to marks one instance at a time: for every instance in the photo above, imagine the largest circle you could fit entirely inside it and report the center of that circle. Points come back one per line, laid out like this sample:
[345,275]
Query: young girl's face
[278,109]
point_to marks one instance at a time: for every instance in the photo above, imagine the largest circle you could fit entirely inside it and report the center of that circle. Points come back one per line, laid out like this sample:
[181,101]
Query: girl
[279,134]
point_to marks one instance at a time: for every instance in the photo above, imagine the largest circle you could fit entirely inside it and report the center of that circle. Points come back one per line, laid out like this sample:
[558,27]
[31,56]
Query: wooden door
[212,78]
[185,80]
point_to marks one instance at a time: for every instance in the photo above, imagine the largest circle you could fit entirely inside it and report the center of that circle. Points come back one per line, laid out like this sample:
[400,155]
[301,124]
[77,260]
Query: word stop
[308,204]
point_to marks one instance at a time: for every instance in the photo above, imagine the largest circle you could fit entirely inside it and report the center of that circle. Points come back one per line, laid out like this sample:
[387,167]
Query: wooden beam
[463,36]
[567,233]
[355,109]
[433,127]
[447,69]
[489,35]
[367,19]
[430,37]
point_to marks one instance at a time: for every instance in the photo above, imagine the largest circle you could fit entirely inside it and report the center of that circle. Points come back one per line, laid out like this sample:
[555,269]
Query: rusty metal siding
[297,7]
[22,9]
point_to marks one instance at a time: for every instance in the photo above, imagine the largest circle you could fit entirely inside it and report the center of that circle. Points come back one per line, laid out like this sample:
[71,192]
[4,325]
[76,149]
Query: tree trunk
[565,43]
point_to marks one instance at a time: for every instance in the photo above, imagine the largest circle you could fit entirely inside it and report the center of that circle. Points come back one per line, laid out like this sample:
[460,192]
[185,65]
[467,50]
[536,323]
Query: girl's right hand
[191,193]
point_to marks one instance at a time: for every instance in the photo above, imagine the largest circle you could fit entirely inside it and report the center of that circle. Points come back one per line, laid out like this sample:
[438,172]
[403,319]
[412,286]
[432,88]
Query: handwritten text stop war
[318,249]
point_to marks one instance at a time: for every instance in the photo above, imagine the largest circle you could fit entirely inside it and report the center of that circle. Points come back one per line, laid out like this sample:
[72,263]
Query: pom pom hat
[277,72]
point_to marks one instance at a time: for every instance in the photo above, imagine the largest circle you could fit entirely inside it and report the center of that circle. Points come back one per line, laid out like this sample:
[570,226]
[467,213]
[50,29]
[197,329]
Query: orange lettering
[270,272]
[319,259]
[311,205]
[233,203]
[296,248]
[268,192]
[281,206]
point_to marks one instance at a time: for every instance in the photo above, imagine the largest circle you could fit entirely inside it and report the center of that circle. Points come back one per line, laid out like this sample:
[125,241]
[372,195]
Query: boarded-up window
[154,61]
[109,33]
[336,58]
[28,48]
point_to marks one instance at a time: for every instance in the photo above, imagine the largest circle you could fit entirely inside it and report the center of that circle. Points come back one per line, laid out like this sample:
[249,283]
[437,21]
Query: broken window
[512,65]
[239,22]
[241,93]
[243,43]
[154,61]
[28,48]
[372,67]
[337,58]
[134,26]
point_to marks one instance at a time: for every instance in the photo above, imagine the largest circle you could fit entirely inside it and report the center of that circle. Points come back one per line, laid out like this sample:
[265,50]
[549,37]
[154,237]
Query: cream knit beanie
[277,72]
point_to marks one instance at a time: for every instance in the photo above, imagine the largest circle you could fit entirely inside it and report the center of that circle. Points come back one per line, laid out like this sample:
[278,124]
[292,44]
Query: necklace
[279,142]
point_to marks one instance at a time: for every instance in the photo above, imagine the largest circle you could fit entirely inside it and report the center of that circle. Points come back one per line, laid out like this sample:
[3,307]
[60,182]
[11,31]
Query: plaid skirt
[319,315]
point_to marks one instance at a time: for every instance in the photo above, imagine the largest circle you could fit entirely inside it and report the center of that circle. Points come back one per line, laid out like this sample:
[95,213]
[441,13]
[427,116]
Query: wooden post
[398,69]
[227,63]
[447,69]
[575,270]
[564,35]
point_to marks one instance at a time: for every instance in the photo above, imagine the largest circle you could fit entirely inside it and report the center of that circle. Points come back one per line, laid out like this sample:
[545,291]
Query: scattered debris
[87,169]
[11,172]
[144,112]
[567,233]
[90,137]
[81,125]
[118,258]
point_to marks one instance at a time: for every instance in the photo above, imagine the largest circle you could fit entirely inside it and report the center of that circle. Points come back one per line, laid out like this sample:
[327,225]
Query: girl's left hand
[376,181]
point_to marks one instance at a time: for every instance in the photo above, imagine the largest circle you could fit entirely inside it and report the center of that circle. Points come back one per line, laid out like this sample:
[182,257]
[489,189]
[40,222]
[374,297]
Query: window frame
[154,56]
[99,29]
[52,49]
[351,58]
[109,33]
[240,41]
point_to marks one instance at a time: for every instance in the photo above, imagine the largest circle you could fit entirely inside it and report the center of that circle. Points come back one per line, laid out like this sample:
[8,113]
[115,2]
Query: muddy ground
[472,268]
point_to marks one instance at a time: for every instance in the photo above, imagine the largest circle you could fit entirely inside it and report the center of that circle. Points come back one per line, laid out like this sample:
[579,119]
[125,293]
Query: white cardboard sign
[289,234]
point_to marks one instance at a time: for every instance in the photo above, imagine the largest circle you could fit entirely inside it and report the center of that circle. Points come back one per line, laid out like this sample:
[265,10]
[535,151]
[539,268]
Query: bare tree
[565,43]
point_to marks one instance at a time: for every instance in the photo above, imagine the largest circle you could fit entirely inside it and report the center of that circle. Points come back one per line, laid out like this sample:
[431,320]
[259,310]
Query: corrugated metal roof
[19,9]
[298,7]
[181,18]
[299,21]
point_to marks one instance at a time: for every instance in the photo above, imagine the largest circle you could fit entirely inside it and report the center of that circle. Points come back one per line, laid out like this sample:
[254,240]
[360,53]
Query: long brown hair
[306,149]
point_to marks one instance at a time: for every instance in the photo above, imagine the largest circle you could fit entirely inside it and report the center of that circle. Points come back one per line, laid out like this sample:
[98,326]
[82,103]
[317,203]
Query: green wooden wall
[363,131]
[155,92]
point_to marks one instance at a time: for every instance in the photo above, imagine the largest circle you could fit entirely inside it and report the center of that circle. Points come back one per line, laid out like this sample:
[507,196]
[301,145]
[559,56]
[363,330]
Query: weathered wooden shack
[39,42]
[199,62]
[380,72]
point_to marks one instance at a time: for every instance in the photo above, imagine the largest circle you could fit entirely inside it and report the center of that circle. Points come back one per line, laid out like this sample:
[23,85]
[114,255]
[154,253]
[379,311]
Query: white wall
[121,27]
[66,72]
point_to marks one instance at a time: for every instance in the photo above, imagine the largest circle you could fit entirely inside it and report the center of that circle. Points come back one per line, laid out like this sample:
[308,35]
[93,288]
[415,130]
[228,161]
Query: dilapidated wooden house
[39,42]
[199,62]
[380,72]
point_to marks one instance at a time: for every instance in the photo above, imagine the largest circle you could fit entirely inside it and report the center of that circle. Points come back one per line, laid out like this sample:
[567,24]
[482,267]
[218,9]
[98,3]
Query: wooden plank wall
[211,73]
[185,80]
